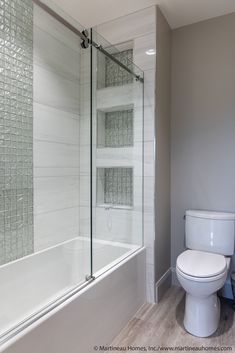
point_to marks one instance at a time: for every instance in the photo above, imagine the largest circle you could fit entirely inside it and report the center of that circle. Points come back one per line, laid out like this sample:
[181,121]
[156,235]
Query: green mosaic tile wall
[16,129]
[114,74]
[119,128]
[118,186]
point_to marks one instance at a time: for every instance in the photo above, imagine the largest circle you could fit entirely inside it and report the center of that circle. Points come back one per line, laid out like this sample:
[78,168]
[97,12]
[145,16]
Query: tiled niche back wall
[115,186]
[115,128]
[119,128]
[114,74]
[118,186]
[16,126]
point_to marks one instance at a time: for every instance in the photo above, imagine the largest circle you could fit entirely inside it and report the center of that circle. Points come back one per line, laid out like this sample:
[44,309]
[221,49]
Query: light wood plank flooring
[162,325]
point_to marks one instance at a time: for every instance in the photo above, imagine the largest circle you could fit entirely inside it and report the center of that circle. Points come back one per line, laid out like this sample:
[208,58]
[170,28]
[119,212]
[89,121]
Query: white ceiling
[178,12]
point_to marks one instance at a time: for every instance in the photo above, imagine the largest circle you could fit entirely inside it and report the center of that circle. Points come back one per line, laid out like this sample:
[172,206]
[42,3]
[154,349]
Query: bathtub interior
[43,277]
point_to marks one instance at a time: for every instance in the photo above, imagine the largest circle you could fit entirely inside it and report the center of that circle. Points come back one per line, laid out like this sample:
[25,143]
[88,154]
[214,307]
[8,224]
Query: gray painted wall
[203,121]
[162,166]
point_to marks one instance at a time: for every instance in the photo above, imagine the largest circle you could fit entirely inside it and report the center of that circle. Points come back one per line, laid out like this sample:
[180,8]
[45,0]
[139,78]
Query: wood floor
[162,325]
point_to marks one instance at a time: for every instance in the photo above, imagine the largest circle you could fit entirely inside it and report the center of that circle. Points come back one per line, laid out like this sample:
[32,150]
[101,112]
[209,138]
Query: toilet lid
[201,264]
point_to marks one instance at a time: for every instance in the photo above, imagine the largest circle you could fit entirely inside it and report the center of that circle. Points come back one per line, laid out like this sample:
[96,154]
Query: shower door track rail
[84,38]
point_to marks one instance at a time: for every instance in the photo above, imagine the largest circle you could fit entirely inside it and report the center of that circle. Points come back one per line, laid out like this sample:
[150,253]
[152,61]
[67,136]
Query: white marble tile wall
[140,28]
[56,131]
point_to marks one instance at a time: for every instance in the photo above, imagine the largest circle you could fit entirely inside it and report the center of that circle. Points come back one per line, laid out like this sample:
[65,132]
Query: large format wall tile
[55,29]
[119,225]
[49,154]
[55,55]
[141,45]
[52,228]
[54,171]
[129,27]
[56,193]
[61,126]
[56,131]
[52,89]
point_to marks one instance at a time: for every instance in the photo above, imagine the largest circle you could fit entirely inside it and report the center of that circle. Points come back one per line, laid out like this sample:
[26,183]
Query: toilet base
[202,315]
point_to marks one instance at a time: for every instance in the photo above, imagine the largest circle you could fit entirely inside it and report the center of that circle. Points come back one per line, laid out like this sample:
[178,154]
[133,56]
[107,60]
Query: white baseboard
[175,281]
[163,284]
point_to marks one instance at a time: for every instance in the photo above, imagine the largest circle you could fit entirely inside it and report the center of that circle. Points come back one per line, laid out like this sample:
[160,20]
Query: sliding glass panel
[45,152]
[117,154]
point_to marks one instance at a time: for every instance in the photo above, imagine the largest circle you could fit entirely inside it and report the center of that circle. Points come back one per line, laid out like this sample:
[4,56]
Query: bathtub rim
[34,320]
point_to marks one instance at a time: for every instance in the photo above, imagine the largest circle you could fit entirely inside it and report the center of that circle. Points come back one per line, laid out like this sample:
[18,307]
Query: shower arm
[84,37]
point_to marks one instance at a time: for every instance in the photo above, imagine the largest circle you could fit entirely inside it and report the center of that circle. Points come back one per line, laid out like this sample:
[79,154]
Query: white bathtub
[35,289]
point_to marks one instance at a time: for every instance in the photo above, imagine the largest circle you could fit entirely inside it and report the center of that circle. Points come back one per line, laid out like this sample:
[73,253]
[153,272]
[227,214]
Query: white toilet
[202,270]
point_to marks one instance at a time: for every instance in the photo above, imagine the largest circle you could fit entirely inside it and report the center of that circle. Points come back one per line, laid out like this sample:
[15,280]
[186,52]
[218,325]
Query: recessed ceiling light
[151,52]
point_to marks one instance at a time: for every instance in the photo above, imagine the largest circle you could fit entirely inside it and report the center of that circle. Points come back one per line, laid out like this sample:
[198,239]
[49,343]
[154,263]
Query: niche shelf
[115,128]
[114,187]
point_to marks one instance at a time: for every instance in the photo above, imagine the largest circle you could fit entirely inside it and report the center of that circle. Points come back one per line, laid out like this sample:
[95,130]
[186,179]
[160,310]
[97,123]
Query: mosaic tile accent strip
[119,128]
[118,186]
[114,74]
[16,129]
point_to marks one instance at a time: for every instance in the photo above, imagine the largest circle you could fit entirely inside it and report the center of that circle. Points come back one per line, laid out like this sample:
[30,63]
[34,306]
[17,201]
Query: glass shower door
[117,153]
[45,246]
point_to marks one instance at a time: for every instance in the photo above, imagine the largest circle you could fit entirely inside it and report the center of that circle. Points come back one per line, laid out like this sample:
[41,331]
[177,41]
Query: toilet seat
[201,266]
[201,279]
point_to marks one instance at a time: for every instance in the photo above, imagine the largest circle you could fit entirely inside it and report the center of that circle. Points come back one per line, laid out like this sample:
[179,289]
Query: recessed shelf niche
[110,74]
[115,128]
[114,187]
[116,75]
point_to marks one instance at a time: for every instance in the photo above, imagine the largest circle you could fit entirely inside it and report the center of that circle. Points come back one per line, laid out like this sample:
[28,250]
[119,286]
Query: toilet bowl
[203,268]
[201,274]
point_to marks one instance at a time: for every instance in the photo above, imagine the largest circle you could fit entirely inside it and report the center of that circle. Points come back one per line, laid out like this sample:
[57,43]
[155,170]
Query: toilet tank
[210,231]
